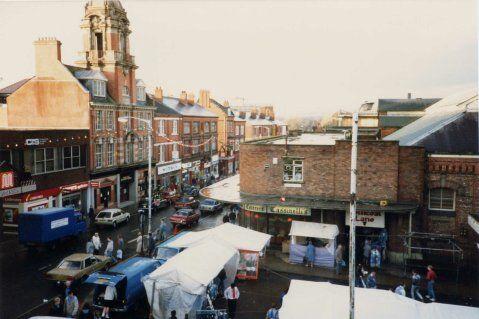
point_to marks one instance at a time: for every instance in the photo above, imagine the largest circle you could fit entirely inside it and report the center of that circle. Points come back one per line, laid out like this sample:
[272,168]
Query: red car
[187,202]
[185,217]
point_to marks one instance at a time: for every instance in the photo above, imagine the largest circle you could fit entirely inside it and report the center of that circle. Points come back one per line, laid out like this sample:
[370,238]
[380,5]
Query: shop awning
[225,191]
[313,230]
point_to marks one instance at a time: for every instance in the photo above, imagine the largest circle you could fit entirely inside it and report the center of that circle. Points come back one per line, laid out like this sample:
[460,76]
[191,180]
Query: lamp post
[125,119]
[352,216]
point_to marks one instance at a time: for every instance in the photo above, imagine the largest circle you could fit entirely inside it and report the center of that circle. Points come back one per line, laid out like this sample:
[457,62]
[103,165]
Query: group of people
[69,307]
[94,245]
[416,279]
[153,237]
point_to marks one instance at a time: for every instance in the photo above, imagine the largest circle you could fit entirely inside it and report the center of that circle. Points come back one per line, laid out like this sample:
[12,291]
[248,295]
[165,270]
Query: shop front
[104,192]
[169,174]
[191,172]
[75,196]
[127,188]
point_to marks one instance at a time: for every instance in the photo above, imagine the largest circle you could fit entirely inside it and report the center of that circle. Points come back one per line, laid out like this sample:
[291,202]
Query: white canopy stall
[323,300]
[180,284]
[326,233]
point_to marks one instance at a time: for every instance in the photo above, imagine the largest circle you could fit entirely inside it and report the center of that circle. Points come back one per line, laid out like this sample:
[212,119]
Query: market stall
[181,283]
[323,237]
[323,300]
[250,243]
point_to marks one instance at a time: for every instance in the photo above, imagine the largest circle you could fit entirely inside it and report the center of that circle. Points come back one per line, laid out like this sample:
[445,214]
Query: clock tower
[106,47]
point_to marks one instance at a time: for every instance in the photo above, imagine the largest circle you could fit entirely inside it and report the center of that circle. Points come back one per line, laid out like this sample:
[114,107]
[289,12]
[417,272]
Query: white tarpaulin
[322,300]
[180,284]
[238,237]
[314,230]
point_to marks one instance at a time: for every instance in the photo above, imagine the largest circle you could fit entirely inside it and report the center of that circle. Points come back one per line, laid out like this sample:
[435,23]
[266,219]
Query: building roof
[161,108]
[396,121]
[13,87]
[186,110]
[403,105]
[438,116]
[226,109]
[85,74]
[303,139]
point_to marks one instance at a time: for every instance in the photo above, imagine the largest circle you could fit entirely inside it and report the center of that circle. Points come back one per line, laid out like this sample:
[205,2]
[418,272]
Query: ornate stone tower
[106,47]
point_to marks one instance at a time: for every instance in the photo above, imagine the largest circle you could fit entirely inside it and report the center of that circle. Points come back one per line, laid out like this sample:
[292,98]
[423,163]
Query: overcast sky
[304,57]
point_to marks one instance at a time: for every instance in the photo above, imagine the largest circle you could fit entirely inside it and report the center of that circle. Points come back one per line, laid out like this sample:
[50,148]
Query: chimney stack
[47,52]
[183,98]
[409,95]
[204,98]
[226,103]
[190,97]
[159,94]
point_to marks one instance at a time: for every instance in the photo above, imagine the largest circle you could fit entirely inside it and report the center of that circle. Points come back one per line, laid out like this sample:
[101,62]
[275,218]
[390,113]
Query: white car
[112,217]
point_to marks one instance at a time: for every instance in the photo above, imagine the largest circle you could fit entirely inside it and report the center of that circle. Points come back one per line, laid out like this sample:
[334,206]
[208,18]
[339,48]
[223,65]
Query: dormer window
[98,88]
[140,93]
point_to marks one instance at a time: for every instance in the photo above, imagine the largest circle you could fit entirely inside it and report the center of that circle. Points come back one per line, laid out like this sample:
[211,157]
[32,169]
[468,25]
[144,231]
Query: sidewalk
[387,277]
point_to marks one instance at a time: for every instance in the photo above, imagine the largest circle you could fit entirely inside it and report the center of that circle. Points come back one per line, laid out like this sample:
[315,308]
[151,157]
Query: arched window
[442,199]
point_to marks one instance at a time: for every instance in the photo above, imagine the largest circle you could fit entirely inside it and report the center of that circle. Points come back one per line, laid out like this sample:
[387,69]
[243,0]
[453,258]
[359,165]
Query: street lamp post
[352,216]
[125,119]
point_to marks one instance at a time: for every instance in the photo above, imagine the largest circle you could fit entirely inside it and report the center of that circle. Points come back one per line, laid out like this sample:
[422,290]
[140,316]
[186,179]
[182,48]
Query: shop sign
[186,165]
[41,194]
[6,180]
[18,190]
[35,141]
[126,178]
[290,210]
[215,159]
[169,168]
[75,187]
[368,219]
[254,208]
[95,184]
[59,223]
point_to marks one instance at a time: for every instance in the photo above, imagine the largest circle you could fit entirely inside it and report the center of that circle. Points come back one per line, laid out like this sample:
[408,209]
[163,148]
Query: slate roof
[161,108]
[226,109]
[396,121]
[90,75]
[13,87]
[186,110]
[405,105]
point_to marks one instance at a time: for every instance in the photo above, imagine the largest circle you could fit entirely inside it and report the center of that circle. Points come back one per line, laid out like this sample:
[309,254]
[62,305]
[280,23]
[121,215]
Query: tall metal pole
[149,177]
[352,216]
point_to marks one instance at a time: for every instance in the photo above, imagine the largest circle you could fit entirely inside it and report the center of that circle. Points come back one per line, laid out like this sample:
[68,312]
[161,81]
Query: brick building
[308,178]
[260,122]
[448,133]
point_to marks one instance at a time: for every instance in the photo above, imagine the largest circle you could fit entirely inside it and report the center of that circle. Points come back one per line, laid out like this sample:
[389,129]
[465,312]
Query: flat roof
[304,139]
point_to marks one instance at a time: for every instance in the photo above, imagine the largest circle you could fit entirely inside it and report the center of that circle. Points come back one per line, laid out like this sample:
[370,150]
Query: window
[213,126]
[174,153]
[175,127]
[140,150]
[126,90]
[71,157]
[110,120]
[127,124]
[237,145]
[237,128]
[230,127]
[99,120]
[44,160]
[242,129]
[196,127]
[207,147]
[195,149]
[186,127]
[292,170]
[442,199]
[98,155]
[129,158]
[213,143]
[111,154]
[99,88]
[140,93]
[207,127]
[162,153]
[161,127]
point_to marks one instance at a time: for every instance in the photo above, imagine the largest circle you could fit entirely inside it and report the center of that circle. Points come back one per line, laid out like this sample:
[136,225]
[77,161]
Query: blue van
[162,252]
[126,277]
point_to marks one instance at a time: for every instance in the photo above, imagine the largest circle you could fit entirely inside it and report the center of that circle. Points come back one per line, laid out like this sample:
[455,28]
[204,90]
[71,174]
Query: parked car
[77,267]
[126,278]
[156,204]
[210,206]
[185,217]
[187,202]
[112,217]
[163,252]
[170,194]
[190,190]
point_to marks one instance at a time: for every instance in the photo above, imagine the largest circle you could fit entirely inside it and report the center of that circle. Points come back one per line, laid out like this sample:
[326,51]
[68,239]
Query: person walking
[91,215]
[120,242]
[139,244]
[400,290]
[431,279]
[110,296]
[71,305]
[96,243]
[310,254]
[375,258]
[272,312]
[371,281]
[360,273]
[232,295]
[119,255]
[90,248]
[173,314]
[56,310]
[366,252]
[415,283]
[338,257]
[162,230]
[109,247]
[151,244]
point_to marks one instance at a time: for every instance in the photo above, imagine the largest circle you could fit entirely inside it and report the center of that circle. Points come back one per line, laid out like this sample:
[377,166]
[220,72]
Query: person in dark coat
[91,215]
[56,310]
[151,244]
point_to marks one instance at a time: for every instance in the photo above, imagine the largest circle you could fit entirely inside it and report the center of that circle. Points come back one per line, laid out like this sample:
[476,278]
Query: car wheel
[114,224]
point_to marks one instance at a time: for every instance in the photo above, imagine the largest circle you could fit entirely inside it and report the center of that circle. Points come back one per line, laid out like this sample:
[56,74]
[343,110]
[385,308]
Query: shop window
[196,127]
[237,130]
[71,157]
[292,170]
[174,153]
[98,155]
[186,127]
[44,160]
[442,199]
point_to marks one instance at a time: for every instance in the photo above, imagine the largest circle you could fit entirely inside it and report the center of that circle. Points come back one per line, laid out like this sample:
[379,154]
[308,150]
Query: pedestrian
[400,290]
[338,257]
[375,258]
[272,312]
[119,255]
[108,299]
[366,251]
[360,273]
[109,247]
[162,230]
[151,244]
[96,243]
[139,243]
[71,305]
[232,295]
[120,242]
[310,254]
[56,310]
[91,215]
[415,283]
[371,281]
[173,314]
[226,218]
[431,279]
[68,287]
[86,312]
[90,248]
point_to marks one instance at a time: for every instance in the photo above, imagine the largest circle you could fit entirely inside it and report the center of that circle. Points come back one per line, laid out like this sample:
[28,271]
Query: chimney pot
[409,95]
[183,98]
[190,97]
[204,100]
[159,94]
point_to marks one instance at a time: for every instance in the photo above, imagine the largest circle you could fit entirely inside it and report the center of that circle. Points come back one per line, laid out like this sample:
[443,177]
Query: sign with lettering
[254,208]
[59,223]
[17,190]
[290,210]
[368,219]
[6,180]
[169,168]
[35,141]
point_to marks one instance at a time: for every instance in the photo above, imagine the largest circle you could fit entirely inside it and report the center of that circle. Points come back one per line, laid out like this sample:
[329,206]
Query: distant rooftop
[304,139]
[186,110]
[13,87]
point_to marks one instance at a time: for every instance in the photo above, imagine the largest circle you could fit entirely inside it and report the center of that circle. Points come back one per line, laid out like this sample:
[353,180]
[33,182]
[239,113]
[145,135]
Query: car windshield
[208,202]
[184,200]
[165,253]
[104,215]
[69,264]
[183,212]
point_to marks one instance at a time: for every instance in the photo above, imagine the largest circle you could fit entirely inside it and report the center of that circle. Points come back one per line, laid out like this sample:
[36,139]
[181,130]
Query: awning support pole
[352,215]
[410,231]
